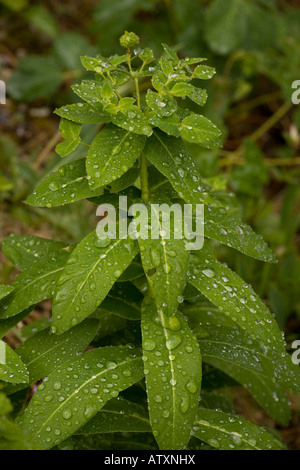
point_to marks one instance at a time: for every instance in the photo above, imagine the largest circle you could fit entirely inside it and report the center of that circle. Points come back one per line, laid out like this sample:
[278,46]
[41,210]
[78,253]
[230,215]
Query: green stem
[144,178]
[138,97]
[143,165]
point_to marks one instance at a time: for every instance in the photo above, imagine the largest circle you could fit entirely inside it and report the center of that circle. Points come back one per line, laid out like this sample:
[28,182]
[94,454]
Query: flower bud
[129,40]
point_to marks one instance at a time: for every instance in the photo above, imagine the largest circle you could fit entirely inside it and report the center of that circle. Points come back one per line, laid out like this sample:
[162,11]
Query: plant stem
[272,121]
[143,165]
[232,158]
[138,97]
[144,177]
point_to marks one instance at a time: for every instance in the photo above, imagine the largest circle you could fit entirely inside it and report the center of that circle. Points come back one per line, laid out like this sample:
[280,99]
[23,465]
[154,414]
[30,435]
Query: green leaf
[89,274]
[204,72]
[90,91]
[65,148]
[162,104]
[206,319]
[198,95]
[88,383]
[45,351]
[119,415]
[68,184]
[171,158]
[5,290]
[34,285]
[23,250]
[227,432]
[182,89]
[108,323]
[216,400]
[7,324]
[126,180]
[12,369]
[198,129]
[112,153]
[134,271]
[168,124]
[236,346]
[132,120]
[165,260]
[123,300]
[172,366]
[268,394]
[5,405]
[234,297]
[229,230]
[171,53]
[35,327]
[82,113]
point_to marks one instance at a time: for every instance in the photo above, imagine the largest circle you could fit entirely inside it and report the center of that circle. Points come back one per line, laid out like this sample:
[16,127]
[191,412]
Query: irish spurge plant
[158,314]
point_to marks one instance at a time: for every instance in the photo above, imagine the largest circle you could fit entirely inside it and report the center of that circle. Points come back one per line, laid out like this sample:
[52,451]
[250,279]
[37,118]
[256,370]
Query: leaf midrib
[94,377]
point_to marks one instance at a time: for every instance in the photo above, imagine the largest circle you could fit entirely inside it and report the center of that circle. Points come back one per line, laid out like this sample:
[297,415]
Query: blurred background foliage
[254,45]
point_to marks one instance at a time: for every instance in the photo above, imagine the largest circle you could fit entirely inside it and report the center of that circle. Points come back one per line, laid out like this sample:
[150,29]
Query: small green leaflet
[45,351]
[70,132]
[171,53]
[34,285]
[112,153]
[119,415]
[82,113]
[88,276]
[165,261]
[76,391]
[66,185]
[199,96]
[204,72]
[228,432]
[181,89]
[234,297]
[172,366]
[23,250]
[65,148]
[198,129]
[12,369]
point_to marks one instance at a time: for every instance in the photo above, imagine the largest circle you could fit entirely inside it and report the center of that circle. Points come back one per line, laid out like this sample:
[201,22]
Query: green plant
[148,307]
